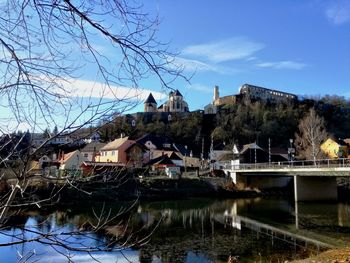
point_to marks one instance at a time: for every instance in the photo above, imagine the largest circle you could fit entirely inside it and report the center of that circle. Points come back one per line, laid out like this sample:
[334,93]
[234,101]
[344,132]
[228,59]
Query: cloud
[201,88]
[225,50]
[193,65]
[339,12]
[286,64]
[91,89]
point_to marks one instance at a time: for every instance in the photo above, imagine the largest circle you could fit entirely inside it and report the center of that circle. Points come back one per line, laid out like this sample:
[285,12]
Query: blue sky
[302,47]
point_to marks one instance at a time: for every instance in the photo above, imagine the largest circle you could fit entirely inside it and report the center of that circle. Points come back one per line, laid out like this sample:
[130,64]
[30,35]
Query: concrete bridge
[312,180]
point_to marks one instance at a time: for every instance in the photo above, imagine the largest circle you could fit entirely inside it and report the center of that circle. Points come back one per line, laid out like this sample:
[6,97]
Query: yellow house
[334,149]
[115,151]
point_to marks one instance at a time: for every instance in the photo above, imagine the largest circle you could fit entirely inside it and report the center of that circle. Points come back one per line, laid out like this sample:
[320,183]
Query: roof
[114,145]
[164,159]
[181,149]
[177,93]
[67,156]
[267,89]
[150,99]
[250,146]
[93,147]
[174,156]
[156,140]
[135,144]
[347,141]
[102,164]
[340,142]
[225,157]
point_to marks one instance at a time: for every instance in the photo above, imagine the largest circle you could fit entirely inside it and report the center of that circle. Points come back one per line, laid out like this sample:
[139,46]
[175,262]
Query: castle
[175,103]
[249,92]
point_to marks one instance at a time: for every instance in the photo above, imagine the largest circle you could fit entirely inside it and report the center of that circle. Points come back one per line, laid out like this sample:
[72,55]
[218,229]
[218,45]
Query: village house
[159,146]
[71,161]
[334,148]
[134,154]
[115,151]
[91,150]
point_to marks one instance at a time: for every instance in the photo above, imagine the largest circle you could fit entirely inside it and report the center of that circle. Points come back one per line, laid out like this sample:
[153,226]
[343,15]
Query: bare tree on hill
[312,134]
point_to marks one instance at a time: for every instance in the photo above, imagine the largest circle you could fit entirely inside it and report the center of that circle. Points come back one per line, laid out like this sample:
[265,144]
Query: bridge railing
[322,163]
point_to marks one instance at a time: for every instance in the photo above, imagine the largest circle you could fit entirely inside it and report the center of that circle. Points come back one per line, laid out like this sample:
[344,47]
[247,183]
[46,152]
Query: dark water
[197,230]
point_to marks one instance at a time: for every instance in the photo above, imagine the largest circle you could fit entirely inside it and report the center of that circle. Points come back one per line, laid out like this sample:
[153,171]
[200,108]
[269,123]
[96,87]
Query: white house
[72,160]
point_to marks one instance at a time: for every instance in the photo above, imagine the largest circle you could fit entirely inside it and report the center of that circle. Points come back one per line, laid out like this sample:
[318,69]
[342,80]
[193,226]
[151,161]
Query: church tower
[150,104]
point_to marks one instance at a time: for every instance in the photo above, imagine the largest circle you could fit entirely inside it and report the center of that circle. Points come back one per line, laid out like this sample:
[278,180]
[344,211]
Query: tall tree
[45,46]
[312,134]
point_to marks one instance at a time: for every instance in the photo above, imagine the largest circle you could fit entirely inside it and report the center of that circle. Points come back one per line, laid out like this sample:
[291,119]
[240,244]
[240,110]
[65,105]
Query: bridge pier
[315,188]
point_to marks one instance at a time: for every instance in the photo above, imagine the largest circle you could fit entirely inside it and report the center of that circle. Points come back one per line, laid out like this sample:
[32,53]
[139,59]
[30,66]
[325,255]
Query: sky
[296,46]
[301,47]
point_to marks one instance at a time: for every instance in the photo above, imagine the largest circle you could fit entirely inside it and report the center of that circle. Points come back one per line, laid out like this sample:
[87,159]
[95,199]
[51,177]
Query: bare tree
[312,134]
[45,46]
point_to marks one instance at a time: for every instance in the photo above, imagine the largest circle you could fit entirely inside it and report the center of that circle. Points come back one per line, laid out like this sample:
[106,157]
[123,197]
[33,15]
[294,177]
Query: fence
[323,163]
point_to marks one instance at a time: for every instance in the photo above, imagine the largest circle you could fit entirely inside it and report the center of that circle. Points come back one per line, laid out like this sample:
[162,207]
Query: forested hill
[241,123]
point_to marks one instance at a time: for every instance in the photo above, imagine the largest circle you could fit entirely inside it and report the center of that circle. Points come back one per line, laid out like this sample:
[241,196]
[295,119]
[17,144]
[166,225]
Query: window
[86,155]
[113,153]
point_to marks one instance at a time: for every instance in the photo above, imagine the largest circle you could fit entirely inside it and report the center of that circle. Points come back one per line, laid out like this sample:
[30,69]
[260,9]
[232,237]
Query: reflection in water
[199,230]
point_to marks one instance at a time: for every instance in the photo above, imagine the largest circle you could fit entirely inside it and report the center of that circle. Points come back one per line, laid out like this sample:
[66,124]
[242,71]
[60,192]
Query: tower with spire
[150,104]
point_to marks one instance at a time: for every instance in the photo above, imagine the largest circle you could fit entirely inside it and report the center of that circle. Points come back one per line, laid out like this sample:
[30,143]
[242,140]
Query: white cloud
[225,50]
[91,89]
[339,12]
[200,87]
[251,58]
[193,65]
[286,64]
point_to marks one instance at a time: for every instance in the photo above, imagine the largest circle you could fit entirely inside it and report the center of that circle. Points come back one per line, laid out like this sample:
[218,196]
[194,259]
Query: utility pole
[269,151]
[202,154]
[255,159]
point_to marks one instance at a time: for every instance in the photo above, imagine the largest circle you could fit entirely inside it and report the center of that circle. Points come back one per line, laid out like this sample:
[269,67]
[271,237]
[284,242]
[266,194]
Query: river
[195,230]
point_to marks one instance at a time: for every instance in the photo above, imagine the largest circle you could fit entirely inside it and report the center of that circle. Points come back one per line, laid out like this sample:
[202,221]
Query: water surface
[196,230]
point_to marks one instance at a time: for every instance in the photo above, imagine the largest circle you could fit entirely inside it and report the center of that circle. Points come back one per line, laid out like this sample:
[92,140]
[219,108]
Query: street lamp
[291,150]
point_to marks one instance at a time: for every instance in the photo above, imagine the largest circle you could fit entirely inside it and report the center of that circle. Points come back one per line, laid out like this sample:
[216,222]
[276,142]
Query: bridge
[313,179]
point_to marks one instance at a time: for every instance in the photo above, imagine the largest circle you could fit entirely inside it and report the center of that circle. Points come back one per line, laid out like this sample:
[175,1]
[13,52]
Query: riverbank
[330,256]
[130,188]
[156,188]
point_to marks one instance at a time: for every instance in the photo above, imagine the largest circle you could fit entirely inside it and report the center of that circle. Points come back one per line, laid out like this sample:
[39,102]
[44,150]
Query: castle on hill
[251,92]
[175,103]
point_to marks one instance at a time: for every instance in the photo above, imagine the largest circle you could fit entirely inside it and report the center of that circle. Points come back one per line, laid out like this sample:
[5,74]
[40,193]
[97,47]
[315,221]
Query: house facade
[160,146]
[334,149]
[91,150]
[134,155]
[115,151]
[71,161]
[260,93]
